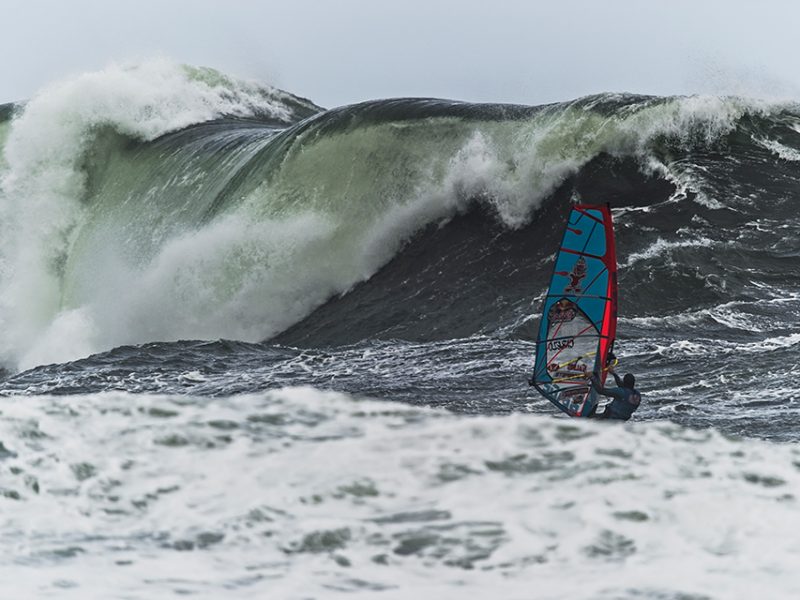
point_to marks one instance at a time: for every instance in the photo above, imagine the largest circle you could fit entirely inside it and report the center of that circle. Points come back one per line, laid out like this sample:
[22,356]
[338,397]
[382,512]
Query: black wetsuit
[625,400]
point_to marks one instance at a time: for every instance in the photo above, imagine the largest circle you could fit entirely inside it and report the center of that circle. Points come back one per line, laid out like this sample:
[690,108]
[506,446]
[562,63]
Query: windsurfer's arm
[607,392]
[617,378]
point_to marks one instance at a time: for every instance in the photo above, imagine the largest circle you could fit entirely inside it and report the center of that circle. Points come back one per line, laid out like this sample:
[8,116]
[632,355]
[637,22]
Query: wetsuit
[625,400]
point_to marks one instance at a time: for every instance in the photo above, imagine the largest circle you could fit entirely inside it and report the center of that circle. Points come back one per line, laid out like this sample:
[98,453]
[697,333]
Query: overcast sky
[342,51]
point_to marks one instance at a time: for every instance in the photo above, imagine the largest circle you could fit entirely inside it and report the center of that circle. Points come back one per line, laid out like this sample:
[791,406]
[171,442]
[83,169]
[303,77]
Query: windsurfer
[625,397]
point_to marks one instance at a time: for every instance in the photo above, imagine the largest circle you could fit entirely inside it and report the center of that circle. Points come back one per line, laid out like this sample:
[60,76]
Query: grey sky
[343,51]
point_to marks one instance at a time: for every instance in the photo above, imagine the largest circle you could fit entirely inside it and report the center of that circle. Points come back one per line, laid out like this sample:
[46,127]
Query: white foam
[663,248]
[335,498]
[715,347]
[778,149]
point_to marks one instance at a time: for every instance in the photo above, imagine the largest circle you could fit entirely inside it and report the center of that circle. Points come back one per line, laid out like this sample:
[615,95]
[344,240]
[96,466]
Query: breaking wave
[160,202]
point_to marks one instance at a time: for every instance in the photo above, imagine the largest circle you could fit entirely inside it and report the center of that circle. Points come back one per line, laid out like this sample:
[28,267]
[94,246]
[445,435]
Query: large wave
[162,202]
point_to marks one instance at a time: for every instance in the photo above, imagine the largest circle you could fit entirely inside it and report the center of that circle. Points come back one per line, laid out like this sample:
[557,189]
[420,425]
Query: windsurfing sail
[579,316]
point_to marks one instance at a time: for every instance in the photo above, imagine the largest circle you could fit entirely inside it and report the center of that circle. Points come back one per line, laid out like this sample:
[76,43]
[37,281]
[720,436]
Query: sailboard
[579,314]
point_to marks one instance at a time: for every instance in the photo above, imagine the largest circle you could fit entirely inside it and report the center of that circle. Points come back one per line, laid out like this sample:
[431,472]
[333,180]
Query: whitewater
[252,347]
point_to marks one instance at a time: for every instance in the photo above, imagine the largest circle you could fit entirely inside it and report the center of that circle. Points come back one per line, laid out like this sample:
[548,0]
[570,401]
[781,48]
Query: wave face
[160,203]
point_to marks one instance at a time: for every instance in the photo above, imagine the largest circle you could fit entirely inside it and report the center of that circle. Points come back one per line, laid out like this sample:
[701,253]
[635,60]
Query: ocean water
[254,348]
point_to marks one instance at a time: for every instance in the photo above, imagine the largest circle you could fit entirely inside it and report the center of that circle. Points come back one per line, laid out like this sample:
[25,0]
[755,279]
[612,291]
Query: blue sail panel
[578,321]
